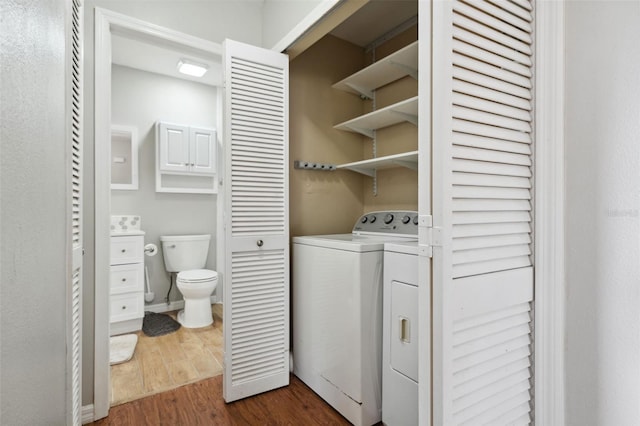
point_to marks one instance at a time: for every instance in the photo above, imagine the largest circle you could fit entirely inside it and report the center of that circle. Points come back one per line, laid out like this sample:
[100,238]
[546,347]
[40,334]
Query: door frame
[549,214]
[106,23]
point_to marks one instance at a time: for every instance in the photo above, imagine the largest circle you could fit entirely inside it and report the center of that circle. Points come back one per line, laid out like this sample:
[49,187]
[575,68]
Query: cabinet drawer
[126,278]
[127,250]
[126,306]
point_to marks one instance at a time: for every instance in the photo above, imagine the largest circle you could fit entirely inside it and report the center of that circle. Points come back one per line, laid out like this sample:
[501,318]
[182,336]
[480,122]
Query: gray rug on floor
[158,324]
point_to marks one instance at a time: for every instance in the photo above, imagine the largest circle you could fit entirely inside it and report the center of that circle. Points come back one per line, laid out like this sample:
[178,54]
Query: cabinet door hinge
[429,236]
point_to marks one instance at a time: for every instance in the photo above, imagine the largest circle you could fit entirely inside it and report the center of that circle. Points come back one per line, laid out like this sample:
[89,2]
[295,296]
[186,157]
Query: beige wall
[397,187]
[323,202]
[330,202]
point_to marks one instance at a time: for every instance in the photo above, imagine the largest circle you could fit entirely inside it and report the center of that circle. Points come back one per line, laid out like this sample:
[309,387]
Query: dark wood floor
[202,404]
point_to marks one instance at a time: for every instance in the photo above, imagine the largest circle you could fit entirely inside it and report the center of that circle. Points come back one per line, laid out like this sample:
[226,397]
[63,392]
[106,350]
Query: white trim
[163,307]
[549,214]
[107,22]
[87,414]
[425,55]
[172,306]
[305,24]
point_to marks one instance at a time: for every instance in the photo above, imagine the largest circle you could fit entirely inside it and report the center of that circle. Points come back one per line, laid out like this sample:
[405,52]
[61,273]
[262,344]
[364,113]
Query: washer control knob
[415,220]
[406,219]
[372,218]
[388,218]
[364,219]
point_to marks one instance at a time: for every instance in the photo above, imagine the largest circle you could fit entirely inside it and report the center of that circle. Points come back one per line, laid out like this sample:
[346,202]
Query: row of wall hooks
[308,165]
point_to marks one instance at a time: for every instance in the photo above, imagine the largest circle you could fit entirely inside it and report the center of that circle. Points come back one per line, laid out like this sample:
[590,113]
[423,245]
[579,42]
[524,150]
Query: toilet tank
[184,252]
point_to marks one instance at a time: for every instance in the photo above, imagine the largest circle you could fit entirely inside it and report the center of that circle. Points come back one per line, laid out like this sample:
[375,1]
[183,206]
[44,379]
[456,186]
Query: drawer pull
[123,250]
[124,307]
[124,279]
[405,330]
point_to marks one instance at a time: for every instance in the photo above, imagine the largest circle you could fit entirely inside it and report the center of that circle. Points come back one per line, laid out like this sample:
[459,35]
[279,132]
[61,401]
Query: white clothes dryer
[400,335]
[337,312]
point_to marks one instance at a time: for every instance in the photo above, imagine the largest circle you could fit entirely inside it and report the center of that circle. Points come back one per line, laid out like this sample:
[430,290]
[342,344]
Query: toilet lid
[197,275]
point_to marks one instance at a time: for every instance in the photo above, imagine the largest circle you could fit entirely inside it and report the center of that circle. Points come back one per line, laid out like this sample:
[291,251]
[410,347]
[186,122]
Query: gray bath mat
[158,324]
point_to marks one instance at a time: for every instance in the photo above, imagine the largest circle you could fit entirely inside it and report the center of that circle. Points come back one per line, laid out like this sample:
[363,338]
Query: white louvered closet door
[483,273]
[74,217]
[256,220]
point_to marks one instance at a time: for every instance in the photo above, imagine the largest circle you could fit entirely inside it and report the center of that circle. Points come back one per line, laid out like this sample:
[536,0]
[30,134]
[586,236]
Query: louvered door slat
[486,56]
[483,274]
[74,149]
[489,168]
[487,155]
[474,179]
[520,378]
[475,141]
[481,129]
[490,82]
[472,193]
[501,228]
[462,205]
[491,241]
[490,119]
[256,254]
[506,53]
[473,102]
[509,373]
[489,94]
[505,27]
[504,14]
[491,34]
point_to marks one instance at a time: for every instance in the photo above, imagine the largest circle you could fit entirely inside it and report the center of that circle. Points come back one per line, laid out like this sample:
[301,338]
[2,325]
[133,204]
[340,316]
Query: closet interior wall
[397,188]
[330,202]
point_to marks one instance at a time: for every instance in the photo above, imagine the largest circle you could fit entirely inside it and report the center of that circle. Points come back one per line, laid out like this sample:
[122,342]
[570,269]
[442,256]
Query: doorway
[157,44]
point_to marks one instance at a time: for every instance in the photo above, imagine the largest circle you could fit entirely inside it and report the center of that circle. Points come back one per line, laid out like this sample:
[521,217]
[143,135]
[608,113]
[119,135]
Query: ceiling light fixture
[191,68]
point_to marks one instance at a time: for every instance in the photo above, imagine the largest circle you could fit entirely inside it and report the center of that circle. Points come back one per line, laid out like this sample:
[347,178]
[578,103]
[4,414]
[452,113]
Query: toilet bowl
[187,255]
[196,287]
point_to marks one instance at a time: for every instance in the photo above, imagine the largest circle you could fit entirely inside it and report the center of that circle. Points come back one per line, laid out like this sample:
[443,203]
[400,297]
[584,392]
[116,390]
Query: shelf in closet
[399,64]
[368,167]
[406,110]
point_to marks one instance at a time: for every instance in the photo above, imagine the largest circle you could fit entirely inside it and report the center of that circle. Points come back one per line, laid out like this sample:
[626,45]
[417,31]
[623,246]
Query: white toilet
[187,255]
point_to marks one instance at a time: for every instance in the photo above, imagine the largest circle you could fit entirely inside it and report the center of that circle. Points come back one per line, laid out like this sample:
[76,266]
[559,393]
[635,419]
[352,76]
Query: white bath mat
[121,348]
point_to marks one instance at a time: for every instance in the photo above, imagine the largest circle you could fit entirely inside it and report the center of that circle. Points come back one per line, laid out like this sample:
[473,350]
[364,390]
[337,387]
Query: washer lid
[196,275]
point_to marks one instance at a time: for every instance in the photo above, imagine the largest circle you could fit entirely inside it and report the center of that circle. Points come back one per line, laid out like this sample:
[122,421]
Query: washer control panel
[402,222]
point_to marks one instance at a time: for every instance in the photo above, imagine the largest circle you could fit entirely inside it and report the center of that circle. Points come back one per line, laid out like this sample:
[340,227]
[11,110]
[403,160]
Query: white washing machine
[337,312]
[400,335]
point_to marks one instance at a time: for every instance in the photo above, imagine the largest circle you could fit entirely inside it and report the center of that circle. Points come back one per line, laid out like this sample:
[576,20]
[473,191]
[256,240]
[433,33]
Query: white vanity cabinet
[126,282]
[184,149]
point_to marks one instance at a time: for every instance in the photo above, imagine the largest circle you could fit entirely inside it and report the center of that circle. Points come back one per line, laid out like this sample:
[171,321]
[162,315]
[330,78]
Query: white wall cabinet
[186,149]
[126,283]
[185,158]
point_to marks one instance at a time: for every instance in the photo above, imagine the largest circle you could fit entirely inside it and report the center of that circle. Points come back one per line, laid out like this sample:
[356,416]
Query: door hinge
[429,236]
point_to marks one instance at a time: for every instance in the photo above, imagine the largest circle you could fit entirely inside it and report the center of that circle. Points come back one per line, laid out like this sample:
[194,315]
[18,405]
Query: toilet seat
[197,276]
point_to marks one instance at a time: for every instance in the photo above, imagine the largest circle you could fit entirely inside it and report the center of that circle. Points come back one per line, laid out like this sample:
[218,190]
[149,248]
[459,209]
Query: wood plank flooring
[201,403]
[166,362]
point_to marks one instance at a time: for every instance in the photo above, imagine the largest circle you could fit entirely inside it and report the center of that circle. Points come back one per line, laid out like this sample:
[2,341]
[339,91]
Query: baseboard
[164,307]
[87,414]
[172,306]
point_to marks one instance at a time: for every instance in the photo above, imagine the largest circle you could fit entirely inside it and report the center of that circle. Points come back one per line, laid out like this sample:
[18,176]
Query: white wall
[139,99]
[33,214]
[602,200]
[279,17]
[213,20]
